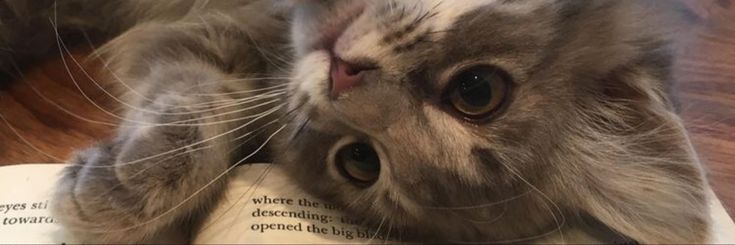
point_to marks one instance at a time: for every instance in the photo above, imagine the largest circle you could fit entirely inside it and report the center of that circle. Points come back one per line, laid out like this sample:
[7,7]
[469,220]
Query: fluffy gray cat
[469,121]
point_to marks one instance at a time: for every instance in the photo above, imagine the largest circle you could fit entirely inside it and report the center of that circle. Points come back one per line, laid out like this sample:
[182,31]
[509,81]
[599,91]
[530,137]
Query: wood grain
[45,117]
[705,74]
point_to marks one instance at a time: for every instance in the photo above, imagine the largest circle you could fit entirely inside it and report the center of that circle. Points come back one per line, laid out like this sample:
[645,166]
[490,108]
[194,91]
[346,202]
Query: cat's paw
[124,190]
[83,193]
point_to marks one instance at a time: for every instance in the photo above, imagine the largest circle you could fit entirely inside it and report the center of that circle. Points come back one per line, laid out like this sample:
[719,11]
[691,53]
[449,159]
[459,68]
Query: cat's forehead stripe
[447,12]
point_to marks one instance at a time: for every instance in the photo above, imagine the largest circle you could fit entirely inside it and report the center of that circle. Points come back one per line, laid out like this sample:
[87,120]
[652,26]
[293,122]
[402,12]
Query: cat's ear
[642,178]
[650,206]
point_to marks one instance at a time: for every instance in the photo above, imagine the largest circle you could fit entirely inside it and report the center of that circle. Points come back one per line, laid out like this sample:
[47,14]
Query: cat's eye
[478,92]
[359,163]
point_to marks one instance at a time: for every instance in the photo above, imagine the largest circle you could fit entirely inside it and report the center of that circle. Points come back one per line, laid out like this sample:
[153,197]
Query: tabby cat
[467,121]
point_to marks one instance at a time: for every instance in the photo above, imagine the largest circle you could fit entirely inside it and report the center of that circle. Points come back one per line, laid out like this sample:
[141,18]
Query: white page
[31,184]
[723,228]
[27,189]
[233,221]
[239,219]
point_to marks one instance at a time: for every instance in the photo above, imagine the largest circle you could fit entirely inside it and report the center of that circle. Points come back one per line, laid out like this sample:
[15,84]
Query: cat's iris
[478,92]
[359,163]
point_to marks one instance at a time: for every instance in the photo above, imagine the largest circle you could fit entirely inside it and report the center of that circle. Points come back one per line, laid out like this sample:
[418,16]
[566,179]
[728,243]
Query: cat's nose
[346,76]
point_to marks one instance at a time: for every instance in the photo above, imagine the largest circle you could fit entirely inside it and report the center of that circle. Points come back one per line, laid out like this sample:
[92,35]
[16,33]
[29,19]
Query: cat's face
[465,120]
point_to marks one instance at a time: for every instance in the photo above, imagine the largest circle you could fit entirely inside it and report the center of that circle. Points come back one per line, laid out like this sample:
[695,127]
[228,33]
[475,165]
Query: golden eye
[359,163]
[478,92]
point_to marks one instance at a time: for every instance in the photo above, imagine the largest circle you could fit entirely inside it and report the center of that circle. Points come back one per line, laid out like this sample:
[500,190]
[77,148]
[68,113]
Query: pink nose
[345,76]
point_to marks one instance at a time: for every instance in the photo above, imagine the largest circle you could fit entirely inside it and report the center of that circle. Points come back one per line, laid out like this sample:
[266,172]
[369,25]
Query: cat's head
[490,120]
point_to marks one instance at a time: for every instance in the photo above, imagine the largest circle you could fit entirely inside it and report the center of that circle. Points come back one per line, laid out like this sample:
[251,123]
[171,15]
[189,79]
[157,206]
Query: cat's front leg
[166,166]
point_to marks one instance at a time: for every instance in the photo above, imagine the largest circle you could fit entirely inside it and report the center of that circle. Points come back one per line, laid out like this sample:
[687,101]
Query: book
[261,205]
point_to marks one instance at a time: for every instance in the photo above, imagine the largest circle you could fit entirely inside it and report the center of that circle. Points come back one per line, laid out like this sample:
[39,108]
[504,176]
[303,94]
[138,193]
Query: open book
[272,211]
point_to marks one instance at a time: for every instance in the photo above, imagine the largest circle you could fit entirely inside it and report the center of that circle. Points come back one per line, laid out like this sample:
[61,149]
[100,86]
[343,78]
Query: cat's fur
[588,137]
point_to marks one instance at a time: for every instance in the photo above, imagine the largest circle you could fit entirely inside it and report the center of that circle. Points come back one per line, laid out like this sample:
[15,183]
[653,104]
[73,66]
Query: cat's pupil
[475,90]
[361,153]
[365,157]
[359,162]
[476,93]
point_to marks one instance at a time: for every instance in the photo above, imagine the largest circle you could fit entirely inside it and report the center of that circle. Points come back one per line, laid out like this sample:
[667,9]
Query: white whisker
[485,205]
[62,45]
[240,92]
[262,115]
[194,194]
[377,231]
[28,142]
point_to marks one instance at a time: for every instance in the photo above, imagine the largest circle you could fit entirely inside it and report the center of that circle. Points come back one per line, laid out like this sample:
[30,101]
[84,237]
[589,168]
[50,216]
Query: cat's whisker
[490,221]
[254,188]
[517,240]
[61,108]
[10,126]
[390,229]
[152,165]
[106,66]
[62,49]
[178,123]
[485,205]
[428,14]
[214,82]
[260,116]
[392,221]
[377,231]
[219,104]
[242,79]
[301,128]
[234,111]
[96,54]
[287,114]
[556,229]
[294,110]
[18,74]
[62,45]
[240,92]
[194,194]
[257,183]
[264,53]
[559,223]
[189,151]
[255,130]
[292,114]
[64,109]
[184,122]
[441,31]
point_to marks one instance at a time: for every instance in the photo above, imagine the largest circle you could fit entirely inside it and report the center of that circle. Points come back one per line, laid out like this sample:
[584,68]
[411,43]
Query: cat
[472,121]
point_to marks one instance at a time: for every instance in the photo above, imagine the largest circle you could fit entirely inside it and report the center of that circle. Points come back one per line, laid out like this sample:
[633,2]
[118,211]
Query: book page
[25,191]
[723,228]
[263,206]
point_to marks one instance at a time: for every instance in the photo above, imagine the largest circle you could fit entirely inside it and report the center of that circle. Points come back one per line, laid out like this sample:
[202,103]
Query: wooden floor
[44,117]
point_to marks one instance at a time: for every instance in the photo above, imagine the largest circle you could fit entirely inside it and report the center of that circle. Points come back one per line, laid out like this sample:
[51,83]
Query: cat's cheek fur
[310,80]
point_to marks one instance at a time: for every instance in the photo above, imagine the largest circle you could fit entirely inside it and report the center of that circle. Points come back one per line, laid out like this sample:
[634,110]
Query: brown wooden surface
[44,116]
[34,130]
[705,72]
